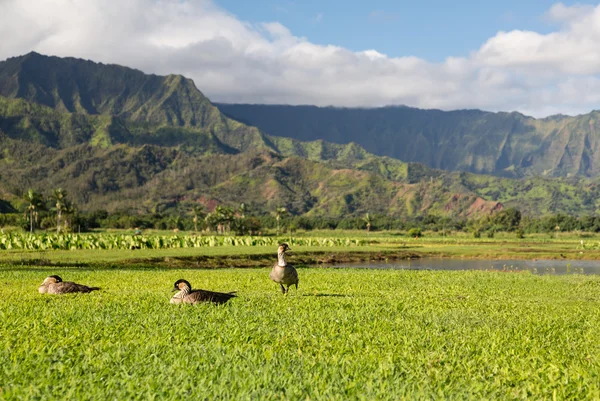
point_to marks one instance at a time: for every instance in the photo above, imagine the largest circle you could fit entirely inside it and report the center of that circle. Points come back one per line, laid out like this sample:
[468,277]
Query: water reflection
[534,266]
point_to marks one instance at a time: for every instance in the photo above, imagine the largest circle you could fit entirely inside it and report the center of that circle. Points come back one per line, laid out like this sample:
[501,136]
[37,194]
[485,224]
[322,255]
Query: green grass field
[346,334]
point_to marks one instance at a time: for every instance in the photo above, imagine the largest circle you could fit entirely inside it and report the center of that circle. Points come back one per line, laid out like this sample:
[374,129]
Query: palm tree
[199,213]
[280,212]
[68,210]
[35,204]
[239,219]
[242,210]
[225,216]
[367,220]
[209,219]
[59,196]
[176,222]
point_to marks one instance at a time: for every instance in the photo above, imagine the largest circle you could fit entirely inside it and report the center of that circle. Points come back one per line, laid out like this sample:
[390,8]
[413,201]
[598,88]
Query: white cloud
[566,14]
[235,61]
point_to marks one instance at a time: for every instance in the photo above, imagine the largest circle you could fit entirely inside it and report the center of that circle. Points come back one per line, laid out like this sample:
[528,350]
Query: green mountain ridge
[31,122]
[147,178]
[81,86]
[502,144]
[118,139]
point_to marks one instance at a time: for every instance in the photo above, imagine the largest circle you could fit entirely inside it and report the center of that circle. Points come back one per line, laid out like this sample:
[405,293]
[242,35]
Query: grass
[346,334]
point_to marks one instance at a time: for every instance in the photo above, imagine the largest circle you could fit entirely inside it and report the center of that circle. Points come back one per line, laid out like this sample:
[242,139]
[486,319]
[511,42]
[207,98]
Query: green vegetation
[85,146]
[116,139]
[35,204]
[164,249]
[502,144]
[346,334]
[121,241]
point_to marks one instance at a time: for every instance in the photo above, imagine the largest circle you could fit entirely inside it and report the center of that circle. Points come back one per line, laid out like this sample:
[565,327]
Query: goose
[55,285]
[282,272]
[186,295]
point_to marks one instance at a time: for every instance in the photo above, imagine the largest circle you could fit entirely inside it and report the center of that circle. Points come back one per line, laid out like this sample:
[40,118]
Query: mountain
[62,102]
[501,144]
[81,86]
[148,178]
[118,139]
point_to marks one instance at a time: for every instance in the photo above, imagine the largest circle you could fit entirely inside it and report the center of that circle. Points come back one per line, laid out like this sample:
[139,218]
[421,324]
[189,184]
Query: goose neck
[182,293]
[281,259]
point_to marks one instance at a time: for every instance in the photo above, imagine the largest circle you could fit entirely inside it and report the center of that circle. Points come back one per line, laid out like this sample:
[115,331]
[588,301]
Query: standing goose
[55,285]
[282,272]
[188,296]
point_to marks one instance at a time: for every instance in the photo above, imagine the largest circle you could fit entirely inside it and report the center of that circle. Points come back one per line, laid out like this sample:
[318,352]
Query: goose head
[283,248]
[52,280]
[182,284]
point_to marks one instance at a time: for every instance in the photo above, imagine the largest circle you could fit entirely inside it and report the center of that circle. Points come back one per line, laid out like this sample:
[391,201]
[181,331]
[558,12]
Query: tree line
[57,212]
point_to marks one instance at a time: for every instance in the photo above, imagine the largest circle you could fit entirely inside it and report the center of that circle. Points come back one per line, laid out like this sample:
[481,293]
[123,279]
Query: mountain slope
[503,144]
[75,85]
[35,123]
[142,179]
[118,139]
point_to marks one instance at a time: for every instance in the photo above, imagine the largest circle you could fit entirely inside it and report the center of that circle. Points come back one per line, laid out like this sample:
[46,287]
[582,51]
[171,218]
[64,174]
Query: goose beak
[175,289]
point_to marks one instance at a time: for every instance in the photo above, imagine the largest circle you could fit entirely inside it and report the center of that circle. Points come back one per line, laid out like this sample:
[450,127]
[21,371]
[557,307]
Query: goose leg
[282,289]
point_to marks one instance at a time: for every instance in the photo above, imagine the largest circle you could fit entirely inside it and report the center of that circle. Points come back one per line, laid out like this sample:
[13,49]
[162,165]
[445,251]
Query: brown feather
[67,287]
[188,296]
[197,296]
[282,272]
[55,285]
[287,274]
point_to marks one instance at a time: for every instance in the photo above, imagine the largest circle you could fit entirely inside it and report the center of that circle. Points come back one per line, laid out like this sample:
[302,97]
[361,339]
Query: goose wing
[66,287]
[208,296]
[290,275]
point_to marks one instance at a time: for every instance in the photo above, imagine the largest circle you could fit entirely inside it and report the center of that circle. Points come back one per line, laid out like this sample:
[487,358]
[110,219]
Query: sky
[537,57]
[429,29]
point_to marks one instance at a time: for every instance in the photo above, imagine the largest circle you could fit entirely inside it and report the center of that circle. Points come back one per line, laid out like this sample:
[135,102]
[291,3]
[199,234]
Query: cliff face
[502,144]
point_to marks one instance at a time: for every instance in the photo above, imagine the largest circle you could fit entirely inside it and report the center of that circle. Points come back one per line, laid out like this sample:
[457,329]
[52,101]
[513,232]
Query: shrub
[415,232]
[48,222]
[253,225]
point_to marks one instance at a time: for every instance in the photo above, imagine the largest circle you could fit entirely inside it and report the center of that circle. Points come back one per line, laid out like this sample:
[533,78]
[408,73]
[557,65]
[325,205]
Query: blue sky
[429,29]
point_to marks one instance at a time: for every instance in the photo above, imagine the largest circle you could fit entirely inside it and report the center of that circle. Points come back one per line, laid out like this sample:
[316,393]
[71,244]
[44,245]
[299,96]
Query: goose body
[282,272]
[55,285]
[185,294]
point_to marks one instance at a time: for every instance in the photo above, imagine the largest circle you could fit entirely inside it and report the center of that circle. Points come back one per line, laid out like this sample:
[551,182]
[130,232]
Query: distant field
[346,334]
[184,249]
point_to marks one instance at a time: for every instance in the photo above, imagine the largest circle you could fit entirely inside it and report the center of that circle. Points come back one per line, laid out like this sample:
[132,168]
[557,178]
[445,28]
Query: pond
[535,266]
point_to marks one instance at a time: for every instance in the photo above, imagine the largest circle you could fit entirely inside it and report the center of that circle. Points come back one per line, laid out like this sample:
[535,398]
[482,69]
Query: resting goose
[188,296]
[55,285]
[282,272]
